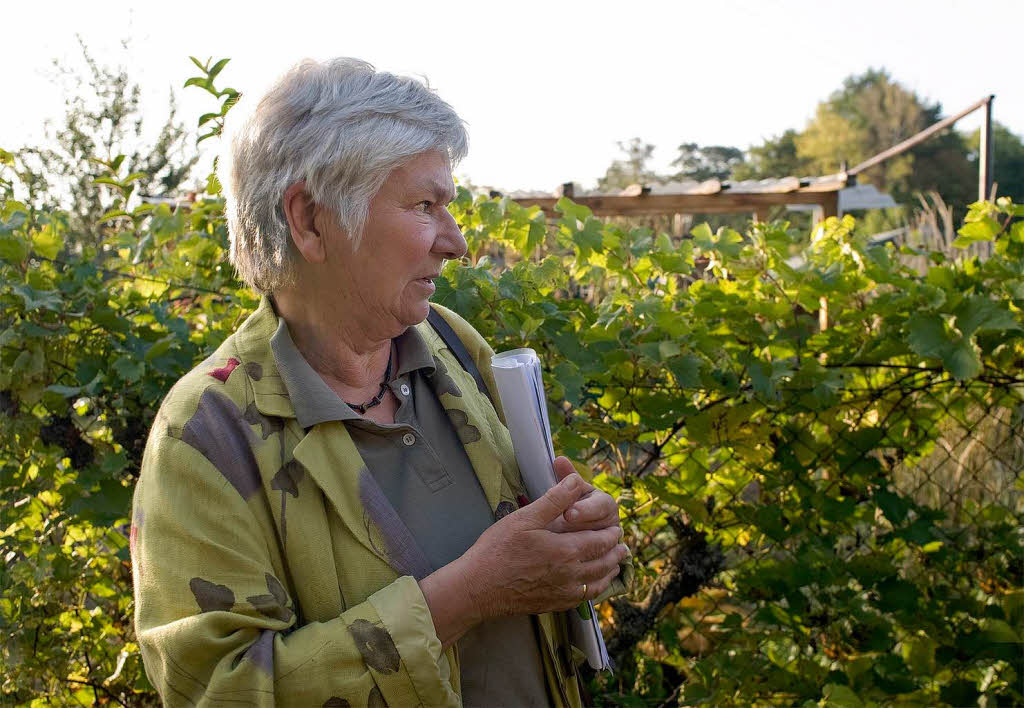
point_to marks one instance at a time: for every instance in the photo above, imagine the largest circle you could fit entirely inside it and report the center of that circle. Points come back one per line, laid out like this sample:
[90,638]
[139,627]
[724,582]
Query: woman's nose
[450,243]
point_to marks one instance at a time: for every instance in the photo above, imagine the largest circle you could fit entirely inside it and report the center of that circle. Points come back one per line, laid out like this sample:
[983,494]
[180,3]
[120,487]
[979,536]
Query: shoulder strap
[452,341]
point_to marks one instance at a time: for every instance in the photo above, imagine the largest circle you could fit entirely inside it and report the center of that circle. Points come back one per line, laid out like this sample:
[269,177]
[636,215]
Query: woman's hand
[593,510]
[531,561]
[520,566]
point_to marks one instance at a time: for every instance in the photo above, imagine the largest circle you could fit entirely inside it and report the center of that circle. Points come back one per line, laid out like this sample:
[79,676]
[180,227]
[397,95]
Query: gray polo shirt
[423,470]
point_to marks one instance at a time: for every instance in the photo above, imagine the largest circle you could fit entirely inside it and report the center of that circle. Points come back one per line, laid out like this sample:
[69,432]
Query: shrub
[817,448]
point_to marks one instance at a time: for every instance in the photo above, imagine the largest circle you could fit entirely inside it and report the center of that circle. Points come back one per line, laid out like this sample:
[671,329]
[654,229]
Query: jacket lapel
[334,463]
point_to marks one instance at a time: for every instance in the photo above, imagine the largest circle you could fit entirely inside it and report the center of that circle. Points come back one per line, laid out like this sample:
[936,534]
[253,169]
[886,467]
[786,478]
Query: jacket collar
[252,343]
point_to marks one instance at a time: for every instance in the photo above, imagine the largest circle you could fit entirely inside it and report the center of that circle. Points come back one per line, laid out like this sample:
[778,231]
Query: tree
[102,120]
[72,430]
[633,169]
[775,157]
[872,112]
[711,161]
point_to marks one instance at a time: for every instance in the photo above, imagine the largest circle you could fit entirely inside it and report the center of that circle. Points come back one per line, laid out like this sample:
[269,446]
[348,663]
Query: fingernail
[572,515]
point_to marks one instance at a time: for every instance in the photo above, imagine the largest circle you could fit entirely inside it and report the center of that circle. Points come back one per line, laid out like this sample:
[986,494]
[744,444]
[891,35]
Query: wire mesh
[921,447]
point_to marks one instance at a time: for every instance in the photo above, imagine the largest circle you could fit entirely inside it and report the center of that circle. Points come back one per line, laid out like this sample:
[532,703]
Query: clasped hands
[549,555]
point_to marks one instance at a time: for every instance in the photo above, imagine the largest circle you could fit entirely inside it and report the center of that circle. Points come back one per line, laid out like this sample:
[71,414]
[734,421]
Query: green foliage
[228,97]
[785,394]
[87,354]
[722,399]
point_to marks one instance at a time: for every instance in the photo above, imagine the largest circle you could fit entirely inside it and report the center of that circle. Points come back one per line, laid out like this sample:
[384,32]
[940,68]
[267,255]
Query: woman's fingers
[595,589]
[593,571]
[596,585]
[593,511]
[563,467]
[534,561]
[594,544]
[582,546]
[555,502]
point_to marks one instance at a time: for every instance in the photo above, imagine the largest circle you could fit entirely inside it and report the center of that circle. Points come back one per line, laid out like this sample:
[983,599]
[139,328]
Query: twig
[132,276]
[655,454]
[98,686]
[671,696]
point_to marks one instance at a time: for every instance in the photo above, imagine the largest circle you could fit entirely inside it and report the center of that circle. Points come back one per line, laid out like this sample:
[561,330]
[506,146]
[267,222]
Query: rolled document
[517,374]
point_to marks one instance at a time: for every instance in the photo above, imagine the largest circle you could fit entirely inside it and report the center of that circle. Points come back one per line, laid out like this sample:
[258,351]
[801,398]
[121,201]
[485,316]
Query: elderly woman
[330,511]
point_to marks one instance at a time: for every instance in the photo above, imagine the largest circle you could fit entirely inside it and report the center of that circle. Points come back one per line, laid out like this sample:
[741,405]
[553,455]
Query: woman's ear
[300,210]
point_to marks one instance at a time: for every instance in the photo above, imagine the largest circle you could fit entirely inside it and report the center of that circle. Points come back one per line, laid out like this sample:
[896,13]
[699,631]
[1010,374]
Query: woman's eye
[425,204]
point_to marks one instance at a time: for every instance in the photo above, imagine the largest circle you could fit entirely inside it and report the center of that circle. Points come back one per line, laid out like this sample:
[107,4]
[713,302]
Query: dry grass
[931,227]
[971,466]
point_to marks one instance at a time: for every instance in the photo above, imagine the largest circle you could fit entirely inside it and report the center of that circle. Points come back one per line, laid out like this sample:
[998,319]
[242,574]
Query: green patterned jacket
[261,578]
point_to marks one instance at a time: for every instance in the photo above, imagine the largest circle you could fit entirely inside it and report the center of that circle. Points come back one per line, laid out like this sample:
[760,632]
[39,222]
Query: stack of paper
[518,376]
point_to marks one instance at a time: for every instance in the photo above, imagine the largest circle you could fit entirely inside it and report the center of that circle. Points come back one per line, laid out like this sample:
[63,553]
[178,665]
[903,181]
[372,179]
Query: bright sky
[546,87]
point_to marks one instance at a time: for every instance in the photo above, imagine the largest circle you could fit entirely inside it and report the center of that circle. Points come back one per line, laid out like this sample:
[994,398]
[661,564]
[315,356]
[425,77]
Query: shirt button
[409,439]
[405,389]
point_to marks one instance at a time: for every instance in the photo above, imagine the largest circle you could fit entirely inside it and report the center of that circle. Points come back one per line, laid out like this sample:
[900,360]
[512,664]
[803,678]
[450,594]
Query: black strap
[452,341]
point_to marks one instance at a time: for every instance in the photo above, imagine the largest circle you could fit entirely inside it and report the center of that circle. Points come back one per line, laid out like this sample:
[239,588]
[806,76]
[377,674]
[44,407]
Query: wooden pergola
[827,195]
[709,197]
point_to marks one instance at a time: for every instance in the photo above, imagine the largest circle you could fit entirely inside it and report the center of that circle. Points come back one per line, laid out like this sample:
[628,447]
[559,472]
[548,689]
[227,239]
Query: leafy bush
[816,447]
[844,430]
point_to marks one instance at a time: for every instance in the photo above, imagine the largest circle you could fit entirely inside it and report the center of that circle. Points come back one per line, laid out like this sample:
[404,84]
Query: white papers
[518,377]
[517,374]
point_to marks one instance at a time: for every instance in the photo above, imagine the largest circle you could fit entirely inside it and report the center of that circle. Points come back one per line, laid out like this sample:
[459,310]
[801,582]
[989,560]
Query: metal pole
[986,158]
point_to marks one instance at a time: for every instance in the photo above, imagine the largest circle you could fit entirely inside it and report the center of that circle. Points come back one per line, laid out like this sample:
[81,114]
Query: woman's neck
[349,358]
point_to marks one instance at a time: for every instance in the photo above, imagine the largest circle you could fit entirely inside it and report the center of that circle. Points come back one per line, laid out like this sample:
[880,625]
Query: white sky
[546,87]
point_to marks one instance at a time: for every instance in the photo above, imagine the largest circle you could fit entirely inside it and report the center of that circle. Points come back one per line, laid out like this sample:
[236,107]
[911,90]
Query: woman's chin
[412,313]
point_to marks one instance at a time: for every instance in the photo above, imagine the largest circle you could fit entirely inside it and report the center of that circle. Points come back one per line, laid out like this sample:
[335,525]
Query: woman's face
[408,235]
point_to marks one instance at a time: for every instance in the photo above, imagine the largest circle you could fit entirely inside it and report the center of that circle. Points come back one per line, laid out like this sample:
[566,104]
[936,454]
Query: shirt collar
[413,353]
[312,399]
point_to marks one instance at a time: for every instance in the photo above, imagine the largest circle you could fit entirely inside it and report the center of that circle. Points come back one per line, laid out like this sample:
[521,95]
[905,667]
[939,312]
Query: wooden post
[830,205]
[678,225]
[986,158]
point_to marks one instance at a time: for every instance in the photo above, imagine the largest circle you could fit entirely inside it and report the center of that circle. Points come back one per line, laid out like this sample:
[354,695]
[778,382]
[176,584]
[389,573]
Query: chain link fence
[825,529]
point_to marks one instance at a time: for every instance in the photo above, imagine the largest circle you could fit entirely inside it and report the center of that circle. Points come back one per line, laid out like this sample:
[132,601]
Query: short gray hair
[340,125]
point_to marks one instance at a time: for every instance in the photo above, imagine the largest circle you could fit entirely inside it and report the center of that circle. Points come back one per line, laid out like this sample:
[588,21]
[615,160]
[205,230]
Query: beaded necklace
[361,408]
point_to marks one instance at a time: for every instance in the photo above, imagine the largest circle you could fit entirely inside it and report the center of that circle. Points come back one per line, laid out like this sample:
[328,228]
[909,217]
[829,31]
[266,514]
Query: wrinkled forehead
[429,173]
